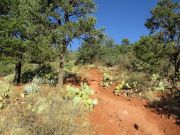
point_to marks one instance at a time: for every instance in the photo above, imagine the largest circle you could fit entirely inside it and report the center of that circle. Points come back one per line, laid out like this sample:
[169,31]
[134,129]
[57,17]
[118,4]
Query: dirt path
[116,115]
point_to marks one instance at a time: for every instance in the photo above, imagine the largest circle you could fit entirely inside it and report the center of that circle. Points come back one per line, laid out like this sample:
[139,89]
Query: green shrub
[138,79]
[71,67]
[6,68]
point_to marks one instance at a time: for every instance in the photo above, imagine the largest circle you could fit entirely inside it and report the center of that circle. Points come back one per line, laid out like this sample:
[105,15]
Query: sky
[122,18]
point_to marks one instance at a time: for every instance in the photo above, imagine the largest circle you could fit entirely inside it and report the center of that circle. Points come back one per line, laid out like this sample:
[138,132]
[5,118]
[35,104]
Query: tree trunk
[61,69]
[176,63]
[17,77]
[61,72]
[176,67]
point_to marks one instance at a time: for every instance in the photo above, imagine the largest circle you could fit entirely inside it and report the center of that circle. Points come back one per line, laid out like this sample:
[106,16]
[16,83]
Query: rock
[136,126]
[178,121]
[162,116]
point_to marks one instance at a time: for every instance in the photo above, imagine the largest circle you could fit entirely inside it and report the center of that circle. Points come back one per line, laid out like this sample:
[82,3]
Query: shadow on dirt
[46,72]
[169,105]
[42,71]
[74,79]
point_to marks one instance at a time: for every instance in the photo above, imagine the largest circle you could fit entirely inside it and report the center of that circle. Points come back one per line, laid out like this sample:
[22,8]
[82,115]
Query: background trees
[37,31]
[12,46]
[165,20]
[125,41]
[152,55]
[36,28]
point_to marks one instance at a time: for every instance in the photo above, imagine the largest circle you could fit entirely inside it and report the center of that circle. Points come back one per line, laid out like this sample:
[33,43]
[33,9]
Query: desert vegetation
[48,89]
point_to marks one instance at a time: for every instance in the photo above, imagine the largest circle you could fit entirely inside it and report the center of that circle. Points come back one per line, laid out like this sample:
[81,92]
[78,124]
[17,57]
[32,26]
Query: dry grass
[44,113]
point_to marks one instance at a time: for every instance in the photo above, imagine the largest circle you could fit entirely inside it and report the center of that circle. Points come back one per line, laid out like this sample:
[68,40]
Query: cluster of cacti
[107,79]
[155,77]
[82,94]
[158,83]
[34,86]
[124,86]
[161,86]
[119,88]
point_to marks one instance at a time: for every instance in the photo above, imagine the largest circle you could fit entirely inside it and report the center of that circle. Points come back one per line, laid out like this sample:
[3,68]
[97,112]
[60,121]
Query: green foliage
[82,94]
[150,54]
[155,77]
[124,86]
[6,67]
[138,79]
[89,53]
[164,16]
[107,79]
[158,83]
[161,86]
[70,67]
[125,41]
[119,88]
[165,23]
[104,52]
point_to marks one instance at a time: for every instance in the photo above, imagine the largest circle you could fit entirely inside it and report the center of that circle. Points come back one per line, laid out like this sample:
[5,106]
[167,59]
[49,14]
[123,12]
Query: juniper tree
[23,33]
[125,41]
[165,20]
[11,45]
[69,20]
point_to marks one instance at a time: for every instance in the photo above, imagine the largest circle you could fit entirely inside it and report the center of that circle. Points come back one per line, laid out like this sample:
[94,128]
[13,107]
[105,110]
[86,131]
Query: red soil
[117,115]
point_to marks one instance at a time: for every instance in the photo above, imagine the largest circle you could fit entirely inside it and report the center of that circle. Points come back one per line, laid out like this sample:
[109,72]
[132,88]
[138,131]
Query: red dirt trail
[117,115]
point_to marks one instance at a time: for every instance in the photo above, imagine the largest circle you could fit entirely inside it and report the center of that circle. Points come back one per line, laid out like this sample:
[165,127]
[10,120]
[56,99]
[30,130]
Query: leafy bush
[138,80]
[82,94]
[89,53]
[6,68]
[134,82]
